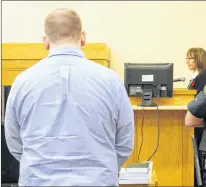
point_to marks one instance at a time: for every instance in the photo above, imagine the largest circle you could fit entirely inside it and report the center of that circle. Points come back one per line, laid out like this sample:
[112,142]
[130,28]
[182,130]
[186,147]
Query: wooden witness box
[173,161]
[16,57]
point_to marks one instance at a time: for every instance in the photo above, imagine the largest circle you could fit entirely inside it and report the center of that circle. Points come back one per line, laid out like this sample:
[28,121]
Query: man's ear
[83,38]
[46,42]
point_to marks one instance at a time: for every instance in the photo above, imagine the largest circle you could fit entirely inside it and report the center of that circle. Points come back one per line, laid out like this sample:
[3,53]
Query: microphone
[180,79]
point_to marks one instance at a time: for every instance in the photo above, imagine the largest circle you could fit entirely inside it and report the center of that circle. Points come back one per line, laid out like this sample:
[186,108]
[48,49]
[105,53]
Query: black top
[197,107]
[9,164]
[198,82]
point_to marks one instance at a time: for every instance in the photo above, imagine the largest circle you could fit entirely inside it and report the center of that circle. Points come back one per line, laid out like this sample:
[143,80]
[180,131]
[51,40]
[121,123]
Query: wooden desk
[153,182]
[173,162]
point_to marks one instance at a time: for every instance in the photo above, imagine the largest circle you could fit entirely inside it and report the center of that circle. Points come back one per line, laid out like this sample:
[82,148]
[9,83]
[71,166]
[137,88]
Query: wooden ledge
[183,107]
[183,91]
[181,98]
[36,51]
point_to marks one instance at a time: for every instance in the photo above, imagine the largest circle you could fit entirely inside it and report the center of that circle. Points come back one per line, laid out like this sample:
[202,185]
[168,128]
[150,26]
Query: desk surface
[181,97]
[172,107]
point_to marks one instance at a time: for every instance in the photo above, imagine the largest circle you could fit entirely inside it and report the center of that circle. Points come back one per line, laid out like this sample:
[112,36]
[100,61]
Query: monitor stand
[147,99]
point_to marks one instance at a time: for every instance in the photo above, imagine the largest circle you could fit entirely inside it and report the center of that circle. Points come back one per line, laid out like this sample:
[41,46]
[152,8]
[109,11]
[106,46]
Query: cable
[158,135]
[141,134]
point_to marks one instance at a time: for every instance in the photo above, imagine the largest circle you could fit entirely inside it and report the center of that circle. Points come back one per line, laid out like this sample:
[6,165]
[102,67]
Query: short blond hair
[63,25]
[199,55]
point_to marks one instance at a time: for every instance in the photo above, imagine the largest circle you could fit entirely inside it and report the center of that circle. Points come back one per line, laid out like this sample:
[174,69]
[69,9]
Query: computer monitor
[148,80]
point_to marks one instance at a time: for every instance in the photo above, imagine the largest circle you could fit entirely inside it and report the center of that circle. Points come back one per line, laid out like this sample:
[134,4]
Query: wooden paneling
[165,107]
[173,161]
[188,155]
[28,51]
[99,51]
[16,57]
[11,68]
[103,62]
[180,97]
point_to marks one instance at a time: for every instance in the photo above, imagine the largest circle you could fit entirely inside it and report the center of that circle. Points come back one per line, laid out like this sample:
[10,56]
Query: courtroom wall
[135,31]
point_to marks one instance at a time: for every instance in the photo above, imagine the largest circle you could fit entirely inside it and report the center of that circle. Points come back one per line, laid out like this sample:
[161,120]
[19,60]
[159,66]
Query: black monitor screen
[154,79]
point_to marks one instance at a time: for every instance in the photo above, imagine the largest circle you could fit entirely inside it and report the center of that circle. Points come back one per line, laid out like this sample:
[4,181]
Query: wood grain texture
[177,99]
[187,156]
[17,57]
[173,161]
[13,51]
[169,107]
[105,63]
[28,51]
[97,51]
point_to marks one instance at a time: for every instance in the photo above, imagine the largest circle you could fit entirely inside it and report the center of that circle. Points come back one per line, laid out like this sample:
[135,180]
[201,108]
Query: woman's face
[190,61]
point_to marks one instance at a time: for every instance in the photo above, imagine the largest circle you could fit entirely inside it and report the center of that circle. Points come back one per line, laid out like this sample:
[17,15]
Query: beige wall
[135,31]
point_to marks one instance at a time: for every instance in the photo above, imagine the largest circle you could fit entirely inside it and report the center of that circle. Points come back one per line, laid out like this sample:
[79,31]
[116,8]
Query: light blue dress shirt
[69,122]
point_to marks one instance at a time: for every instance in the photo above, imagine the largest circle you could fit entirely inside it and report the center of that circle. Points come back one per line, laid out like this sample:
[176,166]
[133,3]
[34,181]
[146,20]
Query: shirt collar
[66,51]
[194,74]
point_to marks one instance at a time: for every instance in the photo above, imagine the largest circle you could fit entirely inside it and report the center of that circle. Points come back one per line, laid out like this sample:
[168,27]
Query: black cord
[141,134]
[158,125]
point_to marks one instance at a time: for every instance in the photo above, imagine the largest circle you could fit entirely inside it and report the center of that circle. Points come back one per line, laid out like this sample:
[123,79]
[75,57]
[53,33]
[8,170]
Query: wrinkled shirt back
[67,108]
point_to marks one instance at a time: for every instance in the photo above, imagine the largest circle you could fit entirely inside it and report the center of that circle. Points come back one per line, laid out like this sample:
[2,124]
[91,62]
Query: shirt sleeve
[197,107]
[125,128]
[11,126]
[200,82]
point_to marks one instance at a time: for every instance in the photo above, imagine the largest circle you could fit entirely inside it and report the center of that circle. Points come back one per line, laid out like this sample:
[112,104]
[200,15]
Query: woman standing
[196,61]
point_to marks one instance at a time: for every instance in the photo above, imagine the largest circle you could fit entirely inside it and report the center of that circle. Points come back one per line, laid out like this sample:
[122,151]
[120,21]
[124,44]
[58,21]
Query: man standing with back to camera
[68,120]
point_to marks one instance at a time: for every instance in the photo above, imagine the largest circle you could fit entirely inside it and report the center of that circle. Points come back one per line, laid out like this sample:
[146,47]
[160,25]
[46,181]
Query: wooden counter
[181,107]
[180,98]
[16,57]
[173,162]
